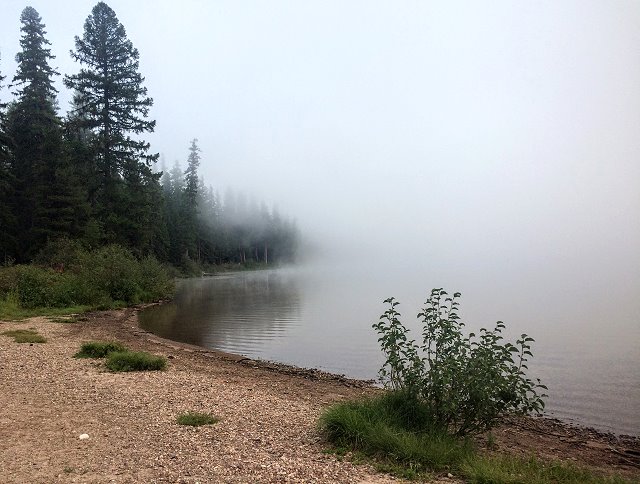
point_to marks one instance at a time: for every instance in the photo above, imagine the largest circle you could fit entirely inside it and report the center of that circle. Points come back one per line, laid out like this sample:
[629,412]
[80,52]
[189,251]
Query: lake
[321,317]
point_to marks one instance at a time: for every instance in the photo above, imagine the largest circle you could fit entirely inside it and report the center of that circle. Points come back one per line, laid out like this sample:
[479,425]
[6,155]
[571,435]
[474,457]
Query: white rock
[84,436]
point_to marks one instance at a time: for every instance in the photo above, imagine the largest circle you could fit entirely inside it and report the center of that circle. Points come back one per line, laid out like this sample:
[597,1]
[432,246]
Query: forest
[89,175]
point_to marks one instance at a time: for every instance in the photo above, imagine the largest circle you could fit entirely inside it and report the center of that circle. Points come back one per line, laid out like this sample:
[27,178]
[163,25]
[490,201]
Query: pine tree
[115,106]
[35,129]
[190,203]
[7,219]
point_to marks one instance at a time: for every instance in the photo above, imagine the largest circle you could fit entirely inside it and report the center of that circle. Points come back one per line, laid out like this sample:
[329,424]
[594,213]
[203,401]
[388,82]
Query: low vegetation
[67,278]
[441,393]
[99,349]
[118,361]
[462,383]
[195,419]
[25,336]
[395,431]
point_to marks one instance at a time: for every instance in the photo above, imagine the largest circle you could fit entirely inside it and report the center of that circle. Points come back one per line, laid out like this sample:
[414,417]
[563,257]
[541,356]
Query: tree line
[90,175]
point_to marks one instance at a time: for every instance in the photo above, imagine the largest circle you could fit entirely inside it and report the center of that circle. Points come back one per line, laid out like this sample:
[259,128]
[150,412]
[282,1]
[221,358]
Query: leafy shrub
[465,383]
[196,419]
[115,271]
[71,289]
[154,280]
[33,286]
[134,361]
[8,280]
[99,349]
[25,336]
[70,276]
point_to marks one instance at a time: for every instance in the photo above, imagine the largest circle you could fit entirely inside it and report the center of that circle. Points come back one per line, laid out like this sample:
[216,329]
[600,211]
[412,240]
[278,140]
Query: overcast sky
[469,132]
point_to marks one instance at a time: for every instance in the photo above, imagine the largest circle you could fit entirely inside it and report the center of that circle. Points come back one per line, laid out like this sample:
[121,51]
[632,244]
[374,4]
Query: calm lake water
[319,317]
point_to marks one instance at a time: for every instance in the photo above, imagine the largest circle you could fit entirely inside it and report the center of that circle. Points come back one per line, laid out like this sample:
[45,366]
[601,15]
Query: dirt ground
[267,430]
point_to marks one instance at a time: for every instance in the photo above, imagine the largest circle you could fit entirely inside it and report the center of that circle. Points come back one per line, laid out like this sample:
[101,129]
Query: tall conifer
[7,218]
[190,207]
[115,106]
[35,130]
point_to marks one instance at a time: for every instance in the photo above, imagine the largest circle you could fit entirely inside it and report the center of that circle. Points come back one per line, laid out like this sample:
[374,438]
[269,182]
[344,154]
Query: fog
[483,145]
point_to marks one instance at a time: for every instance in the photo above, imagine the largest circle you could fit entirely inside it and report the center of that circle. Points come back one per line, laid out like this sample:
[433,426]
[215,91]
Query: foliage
[108,277]
[394,434]
[134,361]
[25,336]
[466,383]
[196,419]
[99,349]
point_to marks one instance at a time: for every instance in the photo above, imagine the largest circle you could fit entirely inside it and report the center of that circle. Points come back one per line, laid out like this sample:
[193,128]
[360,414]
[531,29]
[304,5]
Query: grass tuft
[379,428]
[196,419]
[134,361]
[98,349]
[393,434]
[25,336]
[506,469]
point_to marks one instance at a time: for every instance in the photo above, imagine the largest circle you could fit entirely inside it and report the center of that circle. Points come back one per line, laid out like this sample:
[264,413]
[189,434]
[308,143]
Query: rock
[83,436]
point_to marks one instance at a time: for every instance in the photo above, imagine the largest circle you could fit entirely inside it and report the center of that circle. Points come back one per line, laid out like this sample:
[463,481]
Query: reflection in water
[239,312]
[322,318]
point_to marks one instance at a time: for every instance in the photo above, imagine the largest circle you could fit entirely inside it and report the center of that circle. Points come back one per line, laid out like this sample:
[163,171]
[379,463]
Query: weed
[134,361]
[99,349]
[196,419]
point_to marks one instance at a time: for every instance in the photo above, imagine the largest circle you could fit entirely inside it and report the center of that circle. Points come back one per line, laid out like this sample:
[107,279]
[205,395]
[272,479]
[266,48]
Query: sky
[471,134]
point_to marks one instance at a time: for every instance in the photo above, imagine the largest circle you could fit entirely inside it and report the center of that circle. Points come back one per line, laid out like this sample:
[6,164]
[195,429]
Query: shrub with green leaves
[69,276]
[465,382]
[134,361]
[99,349]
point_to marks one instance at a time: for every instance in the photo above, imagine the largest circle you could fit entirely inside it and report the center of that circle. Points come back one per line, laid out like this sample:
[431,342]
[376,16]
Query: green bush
[115,271]
[154,280]
[99,349]
[134,361]
[195,419]
[33,286]
[8,280]
[466,383]
[71,277]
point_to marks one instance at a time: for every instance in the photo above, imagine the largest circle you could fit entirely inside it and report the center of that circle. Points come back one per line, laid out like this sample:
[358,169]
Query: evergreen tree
[7,218]
[33,125]
[115,106]
[190,202]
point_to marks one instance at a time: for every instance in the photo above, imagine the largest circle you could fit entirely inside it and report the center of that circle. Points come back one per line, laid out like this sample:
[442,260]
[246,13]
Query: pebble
[84,436]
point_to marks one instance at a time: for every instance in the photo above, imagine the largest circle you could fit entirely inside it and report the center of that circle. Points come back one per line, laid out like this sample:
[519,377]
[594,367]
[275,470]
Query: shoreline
[268,412]
[358,383]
